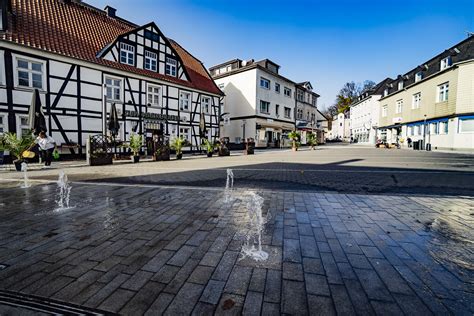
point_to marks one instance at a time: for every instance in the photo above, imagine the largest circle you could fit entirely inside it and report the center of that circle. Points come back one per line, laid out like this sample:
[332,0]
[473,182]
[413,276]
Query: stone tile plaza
[147,175]
[170,243]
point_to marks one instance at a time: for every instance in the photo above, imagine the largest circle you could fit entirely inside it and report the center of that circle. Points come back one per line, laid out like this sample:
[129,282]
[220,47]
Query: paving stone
[291,250]
[392,279]
[372,285]
[253,303]
[160,304]
[224,267]
[257,282]
[294,298]
[386,308]
[116,300]
[293,271]
[181,256]
[136,281]
[201,275]
[311,265]
[309,247]
[184,301]
[270,309]
[141,302]
[155,264]
[320,305]
[230,304]
[212,292]
[211,259]
[411,304]
[181,276]
[359,261]
[203,309]
[316,284]
[372,252]
[358,297]
[166,274]
[238,280]
[341,300]
[330,268]
[273,286]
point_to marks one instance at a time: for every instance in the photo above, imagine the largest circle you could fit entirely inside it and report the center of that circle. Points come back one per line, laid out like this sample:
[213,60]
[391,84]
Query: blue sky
[327,42]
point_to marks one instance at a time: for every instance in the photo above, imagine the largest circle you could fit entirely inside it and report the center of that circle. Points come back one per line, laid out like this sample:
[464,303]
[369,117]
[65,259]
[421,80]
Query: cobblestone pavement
[157,250]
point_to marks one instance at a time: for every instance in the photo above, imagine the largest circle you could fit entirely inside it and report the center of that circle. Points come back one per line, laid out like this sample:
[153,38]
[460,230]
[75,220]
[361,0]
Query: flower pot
[294,148]
[179,156]
[18,164]
[135,159]
[209,155]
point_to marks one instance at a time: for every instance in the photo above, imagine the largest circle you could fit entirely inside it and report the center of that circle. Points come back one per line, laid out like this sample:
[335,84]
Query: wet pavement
[154,249]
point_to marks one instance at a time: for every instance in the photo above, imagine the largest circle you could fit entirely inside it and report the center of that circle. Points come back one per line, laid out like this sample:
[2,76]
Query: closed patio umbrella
[114,124]
[202,126]
[36,118]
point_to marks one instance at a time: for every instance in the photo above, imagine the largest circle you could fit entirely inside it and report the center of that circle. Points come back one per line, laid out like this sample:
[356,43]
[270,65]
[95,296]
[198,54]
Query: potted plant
[209,147]
[135,145]
[177,144]
[294,136]
[311,140]
[16,146]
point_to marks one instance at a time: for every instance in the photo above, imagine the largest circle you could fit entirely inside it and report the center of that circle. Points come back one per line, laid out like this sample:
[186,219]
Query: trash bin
[416,145]
[428,147]
[421,145]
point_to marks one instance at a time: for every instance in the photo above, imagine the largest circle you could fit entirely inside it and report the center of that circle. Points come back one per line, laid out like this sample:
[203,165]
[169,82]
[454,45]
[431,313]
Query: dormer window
[418,76]
[400,85]
[385,92]
[445,63]
[150,61]
[127,54]
[170,69]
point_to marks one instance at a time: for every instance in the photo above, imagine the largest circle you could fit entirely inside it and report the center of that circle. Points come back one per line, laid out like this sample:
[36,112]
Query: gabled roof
[81,31]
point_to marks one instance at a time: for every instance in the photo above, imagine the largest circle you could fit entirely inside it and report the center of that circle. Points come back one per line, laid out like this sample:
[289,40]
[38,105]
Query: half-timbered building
[83,59]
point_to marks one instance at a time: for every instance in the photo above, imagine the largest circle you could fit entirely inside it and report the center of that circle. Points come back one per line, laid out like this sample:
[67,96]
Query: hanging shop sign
[153,116]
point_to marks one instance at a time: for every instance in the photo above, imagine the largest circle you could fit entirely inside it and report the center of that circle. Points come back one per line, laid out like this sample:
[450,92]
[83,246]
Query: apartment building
[306,110]
[433,102]
[259,102]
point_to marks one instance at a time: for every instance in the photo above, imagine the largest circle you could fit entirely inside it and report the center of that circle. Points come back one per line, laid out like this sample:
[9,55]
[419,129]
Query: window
[153,95]
[384,111]
[3,123]
[445,63]
[418,76]
[313,101]
[151,61]
[466,125]
[184,132]
[287,112]
[443,127]
[420,129]
[30,73]
[287,92]
[264,83]
[443,91]
[410,131]
[300,95]
[416,101]
[399,107]
[277,87]
[23,126]
[434,128]
[127,54]
[385,92]
[152,36]
[400,85]
[184,99]
[170,68]
[114,87]
[277,110]
[264,107]
[205,104]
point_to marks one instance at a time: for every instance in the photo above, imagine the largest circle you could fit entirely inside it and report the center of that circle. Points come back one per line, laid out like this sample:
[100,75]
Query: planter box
[101,160]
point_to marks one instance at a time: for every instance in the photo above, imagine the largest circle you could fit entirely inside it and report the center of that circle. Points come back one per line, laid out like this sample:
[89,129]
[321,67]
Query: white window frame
[265,83]
[460,126]
[385,92]
[384,110]
[185,133]
[262,102]
[443,127]
[127,54]
[445,63]
[285,110]
[287,92]
[152,59]
[416,101]
[419,76]
[30,72]
[277,87]
[2,71]
[153,95]
[205,104]
[399,106]
[4,123]
[113,88]
[443,92]
[171,67]
[19,126]
[184,103]
[400,85]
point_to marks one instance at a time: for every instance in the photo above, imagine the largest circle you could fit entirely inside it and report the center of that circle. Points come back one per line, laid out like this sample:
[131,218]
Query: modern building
[259,102]
[341,127]
[364,114]
[83,59]
[433,102]
[306,109]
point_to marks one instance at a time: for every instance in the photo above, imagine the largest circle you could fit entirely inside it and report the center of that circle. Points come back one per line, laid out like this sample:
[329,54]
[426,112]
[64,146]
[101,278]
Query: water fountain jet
[24,169]
[253,245]
[64,192]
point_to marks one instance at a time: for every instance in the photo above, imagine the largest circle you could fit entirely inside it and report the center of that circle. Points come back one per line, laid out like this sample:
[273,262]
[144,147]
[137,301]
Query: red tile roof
[81,31]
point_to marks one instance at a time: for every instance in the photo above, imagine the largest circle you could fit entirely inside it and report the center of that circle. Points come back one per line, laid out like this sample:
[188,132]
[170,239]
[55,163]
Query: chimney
[110,11]
[5,8]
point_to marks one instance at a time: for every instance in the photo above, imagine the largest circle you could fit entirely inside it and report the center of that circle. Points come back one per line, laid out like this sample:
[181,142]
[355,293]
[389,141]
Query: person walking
[46,145]
[409,142]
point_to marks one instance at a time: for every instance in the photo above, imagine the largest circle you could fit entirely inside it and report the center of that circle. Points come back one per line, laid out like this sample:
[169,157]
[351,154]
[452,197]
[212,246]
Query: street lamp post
[424,131]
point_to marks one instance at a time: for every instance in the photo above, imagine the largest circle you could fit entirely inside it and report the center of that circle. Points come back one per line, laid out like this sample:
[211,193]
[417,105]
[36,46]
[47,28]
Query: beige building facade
[433,103]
